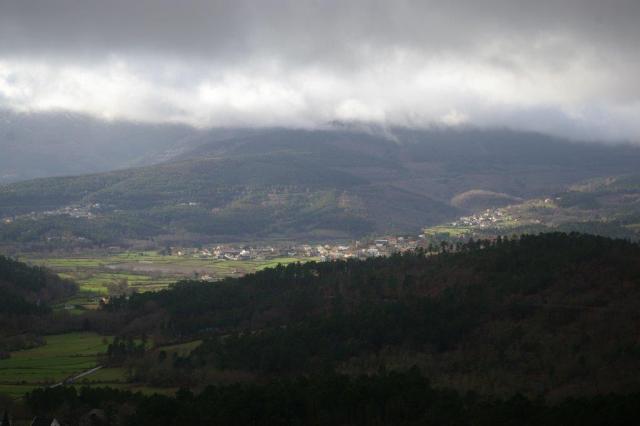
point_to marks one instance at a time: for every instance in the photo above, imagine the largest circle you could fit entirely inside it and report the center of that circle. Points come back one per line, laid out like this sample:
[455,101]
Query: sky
[565,67]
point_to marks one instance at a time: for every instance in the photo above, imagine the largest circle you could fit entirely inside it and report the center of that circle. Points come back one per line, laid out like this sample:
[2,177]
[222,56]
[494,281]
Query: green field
[61,357]
[449,231]
[98,273]
[66,355]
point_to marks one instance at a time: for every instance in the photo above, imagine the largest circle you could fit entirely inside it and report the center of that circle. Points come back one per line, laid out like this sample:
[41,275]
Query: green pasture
[145,271]
[451,231]
[16,391]
[66,355]
[62,356]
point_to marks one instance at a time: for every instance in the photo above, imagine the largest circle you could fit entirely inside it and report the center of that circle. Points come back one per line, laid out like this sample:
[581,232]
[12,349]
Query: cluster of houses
[373,248]
[328,251]
[87,211]
[488,218]
[229,252]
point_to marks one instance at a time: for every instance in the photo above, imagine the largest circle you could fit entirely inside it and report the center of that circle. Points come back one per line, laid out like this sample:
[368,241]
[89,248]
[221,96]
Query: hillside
[552,315]
[279,183]
[26,296]
[23,285]
[604,206]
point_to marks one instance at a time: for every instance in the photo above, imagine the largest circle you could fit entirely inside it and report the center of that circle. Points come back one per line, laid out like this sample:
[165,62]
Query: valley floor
[100,274]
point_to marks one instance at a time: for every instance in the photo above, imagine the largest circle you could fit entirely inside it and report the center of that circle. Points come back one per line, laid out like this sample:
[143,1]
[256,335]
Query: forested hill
[305,184]
[27,289]
[555,314]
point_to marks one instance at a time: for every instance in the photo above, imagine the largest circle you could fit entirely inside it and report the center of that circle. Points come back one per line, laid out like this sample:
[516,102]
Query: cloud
[567,66]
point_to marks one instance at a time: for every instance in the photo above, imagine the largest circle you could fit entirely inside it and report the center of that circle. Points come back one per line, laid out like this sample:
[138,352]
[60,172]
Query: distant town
[358,249]
[77,211]
[328,251]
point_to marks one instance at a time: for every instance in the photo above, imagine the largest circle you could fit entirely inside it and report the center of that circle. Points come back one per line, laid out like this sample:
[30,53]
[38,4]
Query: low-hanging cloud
[567,66]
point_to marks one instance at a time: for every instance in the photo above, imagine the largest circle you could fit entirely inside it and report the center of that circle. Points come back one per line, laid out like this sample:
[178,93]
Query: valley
[248,255]
[309,213]
[104,274]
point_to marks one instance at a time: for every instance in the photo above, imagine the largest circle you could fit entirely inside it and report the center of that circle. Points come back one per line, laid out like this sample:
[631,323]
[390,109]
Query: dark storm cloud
[477,58]
[302,28]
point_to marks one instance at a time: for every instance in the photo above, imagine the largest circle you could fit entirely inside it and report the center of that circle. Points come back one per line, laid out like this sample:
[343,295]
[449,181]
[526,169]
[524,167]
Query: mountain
[48,144]
[312,184]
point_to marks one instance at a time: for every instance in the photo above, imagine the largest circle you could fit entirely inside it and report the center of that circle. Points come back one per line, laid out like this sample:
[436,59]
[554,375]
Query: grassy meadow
[66,355]
[143,271]
[62,356]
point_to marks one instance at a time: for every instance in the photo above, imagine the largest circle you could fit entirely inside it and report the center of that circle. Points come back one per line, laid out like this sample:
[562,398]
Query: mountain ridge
[314,184]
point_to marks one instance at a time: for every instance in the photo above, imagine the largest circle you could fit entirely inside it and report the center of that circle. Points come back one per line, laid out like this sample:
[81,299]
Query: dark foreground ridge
[553,315]
[382,399]
[529,330]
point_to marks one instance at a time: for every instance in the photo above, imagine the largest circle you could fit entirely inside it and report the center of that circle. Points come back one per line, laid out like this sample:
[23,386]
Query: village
[76,211]
[458,230]
[383,246]
[488,218]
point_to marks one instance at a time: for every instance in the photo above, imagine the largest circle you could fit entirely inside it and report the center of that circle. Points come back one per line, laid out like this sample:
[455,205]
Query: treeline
[382,399]
[538,314]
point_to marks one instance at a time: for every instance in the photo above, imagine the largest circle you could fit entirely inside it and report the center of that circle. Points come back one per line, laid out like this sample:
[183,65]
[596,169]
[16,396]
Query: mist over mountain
[565,68]
[47,144]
